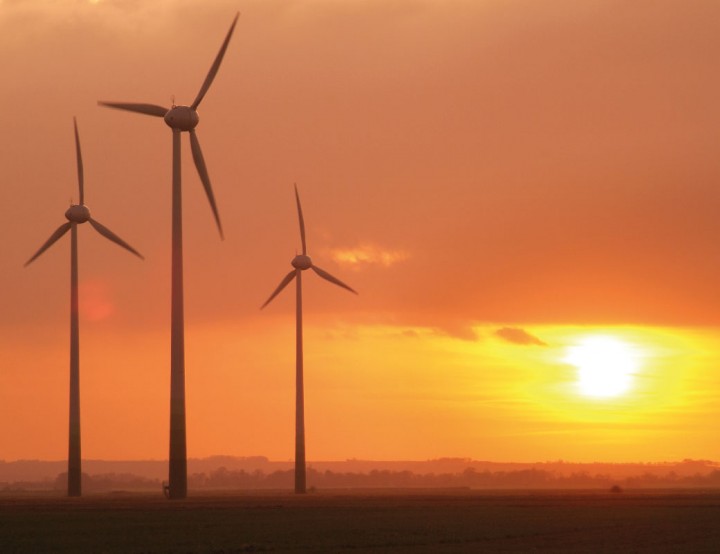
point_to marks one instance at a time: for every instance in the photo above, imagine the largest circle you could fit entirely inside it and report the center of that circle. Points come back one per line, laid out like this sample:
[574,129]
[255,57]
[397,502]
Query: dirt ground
[387,521]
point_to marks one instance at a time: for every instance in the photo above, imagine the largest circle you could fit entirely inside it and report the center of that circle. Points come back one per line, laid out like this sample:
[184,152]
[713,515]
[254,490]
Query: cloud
[458,330]
[368,255]
[519,336]
[455,330]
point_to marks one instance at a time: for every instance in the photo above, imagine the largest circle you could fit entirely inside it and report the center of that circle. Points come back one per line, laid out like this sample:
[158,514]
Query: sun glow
[606,366]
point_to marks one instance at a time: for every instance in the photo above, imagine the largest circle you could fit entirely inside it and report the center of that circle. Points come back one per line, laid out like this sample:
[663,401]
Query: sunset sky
[515,188]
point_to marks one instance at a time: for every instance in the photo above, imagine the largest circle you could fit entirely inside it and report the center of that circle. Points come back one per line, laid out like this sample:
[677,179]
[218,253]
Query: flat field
[388,521]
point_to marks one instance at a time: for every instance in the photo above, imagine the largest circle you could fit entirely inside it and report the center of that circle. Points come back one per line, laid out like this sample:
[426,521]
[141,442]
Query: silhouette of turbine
[76,214]
[300,263]
[179,119]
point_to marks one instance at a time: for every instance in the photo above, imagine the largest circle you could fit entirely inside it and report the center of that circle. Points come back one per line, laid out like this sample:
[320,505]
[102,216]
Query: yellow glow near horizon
[606,366]
[373,391]
[667,361]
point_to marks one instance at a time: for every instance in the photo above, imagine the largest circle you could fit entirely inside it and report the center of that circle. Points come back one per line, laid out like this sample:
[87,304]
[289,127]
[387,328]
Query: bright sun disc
[605,365]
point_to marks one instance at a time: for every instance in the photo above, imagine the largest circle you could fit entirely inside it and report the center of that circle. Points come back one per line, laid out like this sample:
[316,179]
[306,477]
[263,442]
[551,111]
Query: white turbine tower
[300,263]
[76,214]
[179,119]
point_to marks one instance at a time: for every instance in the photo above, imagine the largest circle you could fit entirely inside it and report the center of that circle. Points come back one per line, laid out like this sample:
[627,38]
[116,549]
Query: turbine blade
[147,109]
[204,177]
[284,283]
[302,222]
[59,232]
[325,275]
[81,174]
[108,234]
[215,66]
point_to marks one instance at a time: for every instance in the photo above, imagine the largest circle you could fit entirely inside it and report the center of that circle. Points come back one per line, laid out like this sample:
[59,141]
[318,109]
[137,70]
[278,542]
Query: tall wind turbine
[300,263]
[179,119]
[76,214]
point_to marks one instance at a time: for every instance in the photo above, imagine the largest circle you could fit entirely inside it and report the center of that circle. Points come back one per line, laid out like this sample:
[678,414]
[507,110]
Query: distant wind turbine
[179,119]
[300,263]
[76,214]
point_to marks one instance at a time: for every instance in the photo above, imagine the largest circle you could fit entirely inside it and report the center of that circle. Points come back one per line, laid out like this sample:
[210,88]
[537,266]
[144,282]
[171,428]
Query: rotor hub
[182,118]
[78,213]
[301,261]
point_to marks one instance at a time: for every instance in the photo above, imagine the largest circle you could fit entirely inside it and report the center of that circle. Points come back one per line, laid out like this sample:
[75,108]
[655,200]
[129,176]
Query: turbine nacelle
[301,261]
[78,213]
[182,118]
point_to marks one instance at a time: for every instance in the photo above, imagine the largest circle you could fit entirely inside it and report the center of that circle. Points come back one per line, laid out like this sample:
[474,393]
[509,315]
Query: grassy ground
[415,522]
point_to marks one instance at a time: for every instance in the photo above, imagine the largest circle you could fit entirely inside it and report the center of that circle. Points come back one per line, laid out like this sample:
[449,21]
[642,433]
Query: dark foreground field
[364,522]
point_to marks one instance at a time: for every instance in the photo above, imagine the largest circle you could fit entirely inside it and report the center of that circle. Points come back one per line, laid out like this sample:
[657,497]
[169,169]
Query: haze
[496,179]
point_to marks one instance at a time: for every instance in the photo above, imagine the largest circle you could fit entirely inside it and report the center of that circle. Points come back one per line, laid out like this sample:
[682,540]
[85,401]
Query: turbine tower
[179,119]
[300,263]
[76,214]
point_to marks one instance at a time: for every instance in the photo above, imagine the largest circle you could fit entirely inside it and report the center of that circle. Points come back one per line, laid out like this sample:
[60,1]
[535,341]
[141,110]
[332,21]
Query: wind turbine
[179,119]
[300,263]
[76,214]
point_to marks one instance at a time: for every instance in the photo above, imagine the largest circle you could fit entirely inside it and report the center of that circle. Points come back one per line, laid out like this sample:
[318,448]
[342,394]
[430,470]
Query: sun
[605,366]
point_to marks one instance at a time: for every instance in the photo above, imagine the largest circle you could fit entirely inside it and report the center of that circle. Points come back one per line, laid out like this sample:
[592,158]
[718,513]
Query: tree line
[471,478]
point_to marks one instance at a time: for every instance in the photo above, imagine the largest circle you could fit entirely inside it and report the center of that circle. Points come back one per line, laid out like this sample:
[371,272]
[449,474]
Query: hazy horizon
[442,459]
[259,473]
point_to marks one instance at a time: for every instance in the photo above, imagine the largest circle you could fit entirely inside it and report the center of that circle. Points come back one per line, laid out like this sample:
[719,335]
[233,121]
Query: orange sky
[467,166]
